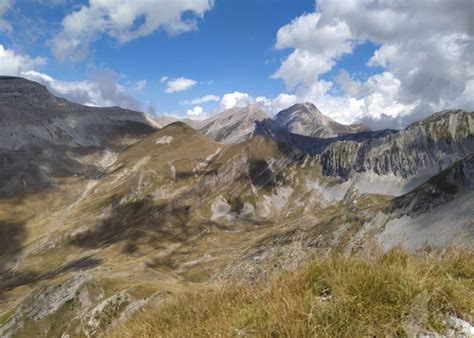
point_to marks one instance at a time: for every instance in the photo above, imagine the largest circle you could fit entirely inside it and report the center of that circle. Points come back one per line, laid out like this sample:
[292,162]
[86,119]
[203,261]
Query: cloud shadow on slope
[140,222]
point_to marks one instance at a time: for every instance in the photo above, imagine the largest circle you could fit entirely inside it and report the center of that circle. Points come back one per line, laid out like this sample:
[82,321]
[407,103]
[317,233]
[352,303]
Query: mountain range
[103,210]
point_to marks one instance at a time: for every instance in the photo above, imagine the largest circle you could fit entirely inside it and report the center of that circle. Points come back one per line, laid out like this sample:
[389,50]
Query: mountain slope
[176,210]
[44,138]
[439,189]
[437,213]
[30,115]
[399,162]
[233,125]
[306,119]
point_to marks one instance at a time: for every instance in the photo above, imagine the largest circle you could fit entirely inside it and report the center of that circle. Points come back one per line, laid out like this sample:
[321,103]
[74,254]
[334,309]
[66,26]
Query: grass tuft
[396,294]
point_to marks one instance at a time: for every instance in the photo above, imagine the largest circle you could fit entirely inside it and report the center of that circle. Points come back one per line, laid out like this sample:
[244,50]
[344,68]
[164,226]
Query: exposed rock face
[43,136]
[306,119]
[176,207]
[233,125]
[30,115]
[439,189]
[424,148]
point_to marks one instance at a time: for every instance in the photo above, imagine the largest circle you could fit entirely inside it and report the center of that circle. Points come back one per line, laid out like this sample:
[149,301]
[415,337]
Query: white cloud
[101,90]
[179,84]
[235,99]
[164,79]
[139,86]
[195,112]
[202,99]
[5,5]
[14,64]
[316,46]
[123,21]
[425,69]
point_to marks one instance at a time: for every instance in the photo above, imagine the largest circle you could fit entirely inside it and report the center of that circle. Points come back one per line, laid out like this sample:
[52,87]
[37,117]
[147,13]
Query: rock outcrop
[420,151]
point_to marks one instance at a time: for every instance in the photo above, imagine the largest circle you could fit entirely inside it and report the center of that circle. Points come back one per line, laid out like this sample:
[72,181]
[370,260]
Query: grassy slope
[395,294]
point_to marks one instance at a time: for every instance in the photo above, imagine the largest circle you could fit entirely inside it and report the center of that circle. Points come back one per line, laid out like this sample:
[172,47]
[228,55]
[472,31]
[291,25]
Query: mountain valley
[103,212]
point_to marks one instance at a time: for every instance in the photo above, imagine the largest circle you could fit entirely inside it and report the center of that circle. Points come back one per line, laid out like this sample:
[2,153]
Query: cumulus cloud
[425,50]
[123,21]
[14,64]
[316,46]
[270,105]
[197,111]
[101,89]
[202,99]
[177,85]
[235,99]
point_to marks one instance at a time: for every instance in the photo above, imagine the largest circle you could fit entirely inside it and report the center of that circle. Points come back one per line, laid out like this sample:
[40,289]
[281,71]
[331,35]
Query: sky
[385,63]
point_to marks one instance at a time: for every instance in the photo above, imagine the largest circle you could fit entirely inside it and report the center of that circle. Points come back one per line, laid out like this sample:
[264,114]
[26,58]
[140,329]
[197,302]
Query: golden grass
[339,296]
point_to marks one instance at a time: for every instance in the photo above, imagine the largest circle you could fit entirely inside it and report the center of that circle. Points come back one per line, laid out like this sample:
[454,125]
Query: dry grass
[335,297]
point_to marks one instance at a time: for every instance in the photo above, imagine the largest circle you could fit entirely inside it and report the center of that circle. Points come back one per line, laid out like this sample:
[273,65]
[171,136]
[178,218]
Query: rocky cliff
[418,152]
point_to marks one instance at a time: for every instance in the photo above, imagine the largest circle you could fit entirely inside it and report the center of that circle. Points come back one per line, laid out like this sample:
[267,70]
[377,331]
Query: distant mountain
[31,115]
[233,125]
[161,121]
[43,136]
[404,159]
[237,124]
[100,217]
[306,119]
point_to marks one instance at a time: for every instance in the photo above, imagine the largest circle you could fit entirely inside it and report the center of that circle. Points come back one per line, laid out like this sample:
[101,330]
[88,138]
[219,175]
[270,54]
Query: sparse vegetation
[441,181]
[396,294]
[236,204]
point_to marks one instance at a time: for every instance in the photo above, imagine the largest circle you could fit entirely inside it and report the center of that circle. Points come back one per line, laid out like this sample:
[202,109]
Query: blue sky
[345,57]
[232,50]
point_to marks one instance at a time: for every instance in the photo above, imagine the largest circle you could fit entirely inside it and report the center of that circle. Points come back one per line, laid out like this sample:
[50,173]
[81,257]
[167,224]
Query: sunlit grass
[394,294]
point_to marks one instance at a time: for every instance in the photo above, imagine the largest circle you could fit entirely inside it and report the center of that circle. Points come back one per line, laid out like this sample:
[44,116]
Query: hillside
[334,296]
[44,138]
[30,115]
[175,210]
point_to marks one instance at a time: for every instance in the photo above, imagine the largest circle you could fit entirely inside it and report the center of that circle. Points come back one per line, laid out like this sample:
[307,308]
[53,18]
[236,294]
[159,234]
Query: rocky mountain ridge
[306,119]
[110,228]
[416,153]
[30,115]
[233,125]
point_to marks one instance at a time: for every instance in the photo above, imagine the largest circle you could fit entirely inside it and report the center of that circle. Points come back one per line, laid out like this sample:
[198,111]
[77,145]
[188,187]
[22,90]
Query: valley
[104,213]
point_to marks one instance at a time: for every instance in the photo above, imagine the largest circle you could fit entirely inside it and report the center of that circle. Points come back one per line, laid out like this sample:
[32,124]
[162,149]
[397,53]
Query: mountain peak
[306,119]
[233,125]
[31,115]
[254,111]
[310,105]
